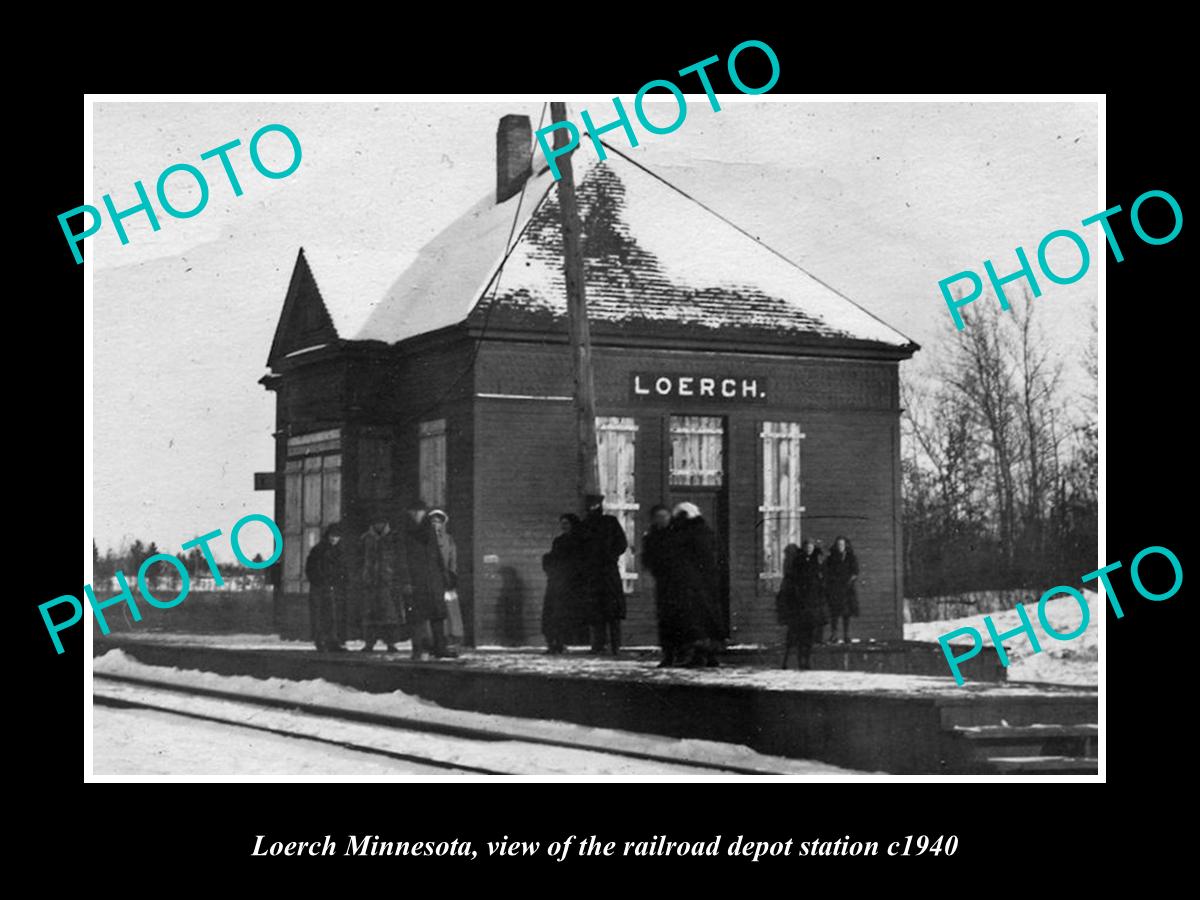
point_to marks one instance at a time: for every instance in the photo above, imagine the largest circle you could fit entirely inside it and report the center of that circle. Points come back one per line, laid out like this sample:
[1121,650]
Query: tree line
[129,558]
[999,460]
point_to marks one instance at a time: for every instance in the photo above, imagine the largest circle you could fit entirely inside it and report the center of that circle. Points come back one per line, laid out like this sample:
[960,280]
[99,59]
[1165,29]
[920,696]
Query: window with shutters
[697,450]
[780,510]
[312,499]
[431,452]
[616,441]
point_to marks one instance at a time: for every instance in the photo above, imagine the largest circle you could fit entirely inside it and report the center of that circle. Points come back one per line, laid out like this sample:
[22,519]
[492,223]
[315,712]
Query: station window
[431,461]
[780,510]
[697,450]
[616,443]
[312,499]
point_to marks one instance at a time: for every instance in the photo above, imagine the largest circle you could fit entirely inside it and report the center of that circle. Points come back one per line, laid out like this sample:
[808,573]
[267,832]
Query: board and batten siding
[524,475]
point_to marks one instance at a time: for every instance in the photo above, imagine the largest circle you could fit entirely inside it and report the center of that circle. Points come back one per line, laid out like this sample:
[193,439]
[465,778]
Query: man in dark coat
[801,600]
[841,575]
[692,603]
[380,611]
[602,541]
[655,561]
[326,573]
[564,586]
[421,575]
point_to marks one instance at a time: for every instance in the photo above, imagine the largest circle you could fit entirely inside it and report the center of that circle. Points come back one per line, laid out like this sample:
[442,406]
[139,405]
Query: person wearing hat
[381,614]
[421,575]
[449,552]
[602,541]
[692,602]
[326,574]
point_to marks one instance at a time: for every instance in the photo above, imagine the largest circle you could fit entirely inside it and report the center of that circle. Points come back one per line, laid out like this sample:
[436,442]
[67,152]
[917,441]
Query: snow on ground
[1061,662]
[606,668]
[579,663]
[142,742]
[511,757]
[397,703]
[231,641]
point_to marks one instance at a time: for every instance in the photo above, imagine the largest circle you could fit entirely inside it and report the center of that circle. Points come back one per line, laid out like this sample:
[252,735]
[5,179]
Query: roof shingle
[653,257]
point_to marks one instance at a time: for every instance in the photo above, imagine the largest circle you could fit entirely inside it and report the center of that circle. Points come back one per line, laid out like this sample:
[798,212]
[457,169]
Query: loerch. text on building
[697,386]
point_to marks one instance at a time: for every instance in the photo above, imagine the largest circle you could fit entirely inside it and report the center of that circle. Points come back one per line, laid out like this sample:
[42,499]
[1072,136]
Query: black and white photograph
[475,445]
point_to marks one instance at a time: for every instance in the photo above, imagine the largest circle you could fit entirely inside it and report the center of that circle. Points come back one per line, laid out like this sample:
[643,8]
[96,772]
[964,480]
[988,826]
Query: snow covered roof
[352,283]
[653,256]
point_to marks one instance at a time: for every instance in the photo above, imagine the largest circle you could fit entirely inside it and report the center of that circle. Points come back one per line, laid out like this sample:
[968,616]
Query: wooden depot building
[724,375]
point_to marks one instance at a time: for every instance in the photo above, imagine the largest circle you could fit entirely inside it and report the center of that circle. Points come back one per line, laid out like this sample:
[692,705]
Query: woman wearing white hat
[692,600]
[445,542]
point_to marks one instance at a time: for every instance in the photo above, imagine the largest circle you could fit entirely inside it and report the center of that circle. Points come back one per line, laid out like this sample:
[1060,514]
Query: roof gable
[304,323]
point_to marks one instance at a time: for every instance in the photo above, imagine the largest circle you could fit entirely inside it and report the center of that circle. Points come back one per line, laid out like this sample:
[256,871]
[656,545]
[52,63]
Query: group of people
[406,574]
[403,582]
[815,593]
[584,589]
[583,580]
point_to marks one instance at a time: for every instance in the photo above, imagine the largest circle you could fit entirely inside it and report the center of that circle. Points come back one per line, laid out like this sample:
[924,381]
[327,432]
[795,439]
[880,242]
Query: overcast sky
[879,200]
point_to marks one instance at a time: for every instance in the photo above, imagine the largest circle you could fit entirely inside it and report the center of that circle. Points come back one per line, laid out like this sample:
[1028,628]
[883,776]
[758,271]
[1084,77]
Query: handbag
[454,620]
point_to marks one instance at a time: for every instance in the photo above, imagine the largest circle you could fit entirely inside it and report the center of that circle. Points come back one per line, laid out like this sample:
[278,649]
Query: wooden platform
[884,723]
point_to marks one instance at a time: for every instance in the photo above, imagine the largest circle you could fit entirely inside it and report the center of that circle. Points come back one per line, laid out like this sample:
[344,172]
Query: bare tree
[982,373]
[998,468]
[1038,377]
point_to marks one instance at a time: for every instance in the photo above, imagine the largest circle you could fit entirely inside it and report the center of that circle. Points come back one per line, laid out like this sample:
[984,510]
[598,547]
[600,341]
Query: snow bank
[1061,662]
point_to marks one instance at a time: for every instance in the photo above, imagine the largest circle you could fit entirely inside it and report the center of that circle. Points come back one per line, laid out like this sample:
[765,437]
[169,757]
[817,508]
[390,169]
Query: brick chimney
[513,139]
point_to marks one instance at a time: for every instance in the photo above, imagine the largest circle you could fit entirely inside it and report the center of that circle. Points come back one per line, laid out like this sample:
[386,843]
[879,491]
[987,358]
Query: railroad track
[125,703]
[400,723]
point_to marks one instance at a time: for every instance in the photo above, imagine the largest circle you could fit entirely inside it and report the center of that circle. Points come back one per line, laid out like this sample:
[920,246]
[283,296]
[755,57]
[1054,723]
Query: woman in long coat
[326,573]
[801,600]
[692,605]
[602,541]
[564,586]
[422,580]
[841,573]
[381,615]
[655,561]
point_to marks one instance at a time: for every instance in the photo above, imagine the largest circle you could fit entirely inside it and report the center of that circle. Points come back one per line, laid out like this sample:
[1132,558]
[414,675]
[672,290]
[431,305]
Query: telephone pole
[588,477]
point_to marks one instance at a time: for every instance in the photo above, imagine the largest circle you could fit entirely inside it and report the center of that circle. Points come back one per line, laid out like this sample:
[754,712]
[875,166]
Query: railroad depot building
[724,375]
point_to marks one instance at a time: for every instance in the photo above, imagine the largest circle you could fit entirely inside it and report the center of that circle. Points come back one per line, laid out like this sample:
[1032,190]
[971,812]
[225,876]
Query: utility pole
[577,319]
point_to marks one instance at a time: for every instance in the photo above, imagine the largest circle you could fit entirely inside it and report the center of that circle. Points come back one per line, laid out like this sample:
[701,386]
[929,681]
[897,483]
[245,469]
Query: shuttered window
[780,510]
[697,450]
[616,441]
[312,499]
[431,451]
